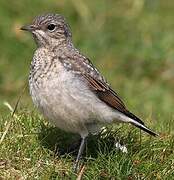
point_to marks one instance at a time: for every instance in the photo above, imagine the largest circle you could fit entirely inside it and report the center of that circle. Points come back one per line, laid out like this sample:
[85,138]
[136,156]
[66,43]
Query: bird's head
[49,30]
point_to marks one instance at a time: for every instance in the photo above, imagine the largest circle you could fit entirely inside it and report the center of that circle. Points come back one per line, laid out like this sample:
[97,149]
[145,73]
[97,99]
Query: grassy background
[132,43]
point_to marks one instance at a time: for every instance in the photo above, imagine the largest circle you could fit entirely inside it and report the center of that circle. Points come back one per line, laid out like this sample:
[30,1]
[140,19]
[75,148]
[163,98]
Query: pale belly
[70,105]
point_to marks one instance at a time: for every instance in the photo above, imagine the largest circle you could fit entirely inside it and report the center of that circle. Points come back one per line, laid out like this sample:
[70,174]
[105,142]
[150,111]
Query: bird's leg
[81,149]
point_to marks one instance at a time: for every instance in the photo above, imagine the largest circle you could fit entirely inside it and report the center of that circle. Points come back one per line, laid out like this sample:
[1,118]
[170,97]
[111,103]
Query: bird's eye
[51,27]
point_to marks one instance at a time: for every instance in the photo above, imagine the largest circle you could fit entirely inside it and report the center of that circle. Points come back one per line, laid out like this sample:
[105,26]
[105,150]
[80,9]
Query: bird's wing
[83,66]
[105,93]
[110,97]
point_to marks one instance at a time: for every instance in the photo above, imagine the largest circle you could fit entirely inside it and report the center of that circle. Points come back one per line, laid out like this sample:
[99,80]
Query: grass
[131,42]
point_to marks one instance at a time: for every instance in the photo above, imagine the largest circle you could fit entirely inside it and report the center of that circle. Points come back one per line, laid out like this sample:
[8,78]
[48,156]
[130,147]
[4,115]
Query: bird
[67,88]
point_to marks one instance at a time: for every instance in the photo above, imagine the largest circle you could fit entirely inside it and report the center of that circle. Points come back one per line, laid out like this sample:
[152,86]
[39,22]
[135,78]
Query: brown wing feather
[107,95]
[82,65]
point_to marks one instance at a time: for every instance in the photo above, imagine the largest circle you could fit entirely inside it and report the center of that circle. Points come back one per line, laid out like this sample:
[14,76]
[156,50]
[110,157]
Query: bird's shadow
[61,142]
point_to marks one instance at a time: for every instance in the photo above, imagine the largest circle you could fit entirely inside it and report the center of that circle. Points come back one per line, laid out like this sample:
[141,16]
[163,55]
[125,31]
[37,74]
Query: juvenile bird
[67,88]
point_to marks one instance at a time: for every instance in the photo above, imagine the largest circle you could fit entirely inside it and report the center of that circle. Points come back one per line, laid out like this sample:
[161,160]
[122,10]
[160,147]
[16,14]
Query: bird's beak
[29,28]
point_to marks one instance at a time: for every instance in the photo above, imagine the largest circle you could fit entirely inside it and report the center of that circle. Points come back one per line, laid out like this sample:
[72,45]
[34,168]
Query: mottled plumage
[65,85]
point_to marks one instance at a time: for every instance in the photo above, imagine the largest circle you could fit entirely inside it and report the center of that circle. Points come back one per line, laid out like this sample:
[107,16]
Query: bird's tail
[144,128]
[140,124]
